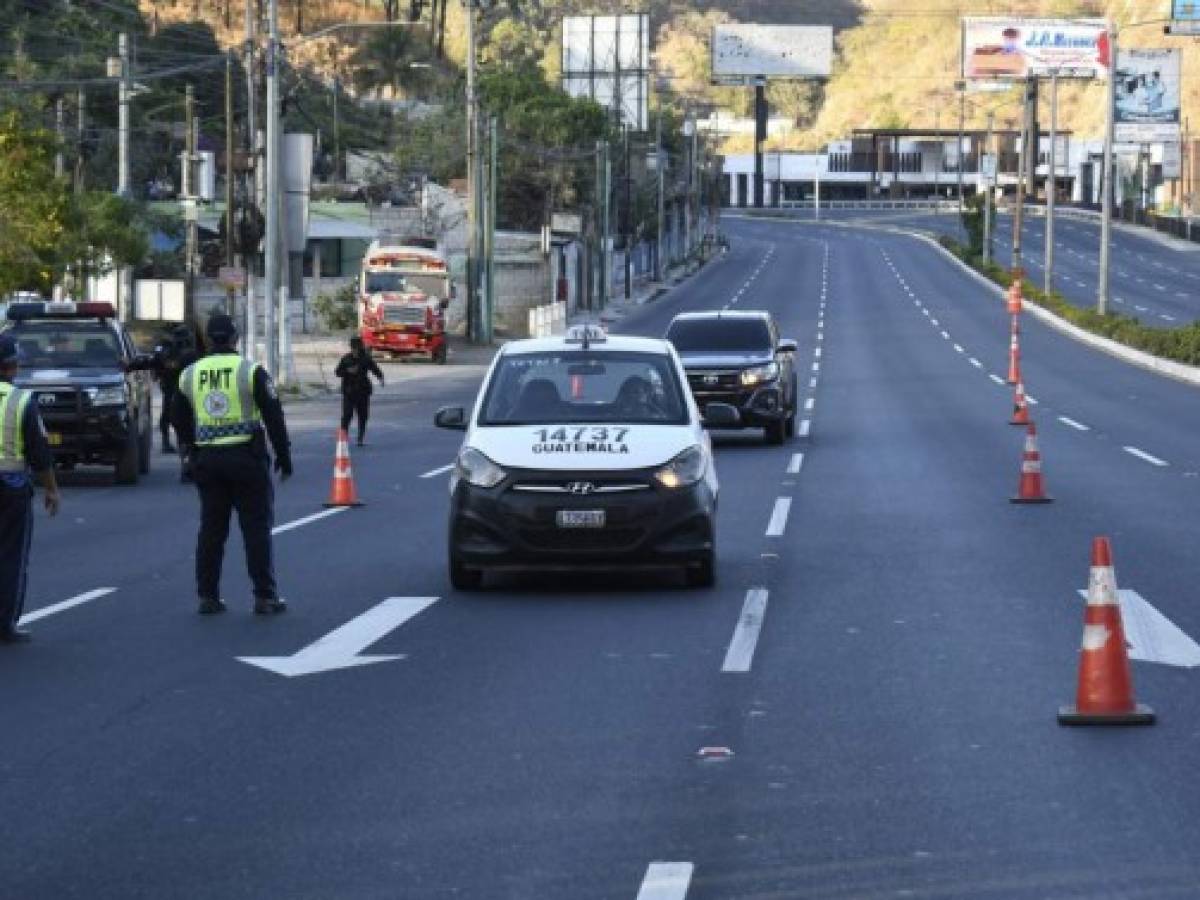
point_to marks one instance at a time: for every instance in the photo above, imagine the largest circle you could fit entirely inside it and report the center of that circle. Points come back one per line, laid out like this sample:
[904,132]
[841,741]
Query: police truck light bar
[60,309]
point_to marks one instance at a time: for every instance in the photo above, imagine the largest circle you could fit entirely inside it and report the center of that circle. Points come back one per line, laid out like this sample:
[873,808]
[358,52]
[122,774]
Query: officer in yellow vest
[223,405]
[23,448]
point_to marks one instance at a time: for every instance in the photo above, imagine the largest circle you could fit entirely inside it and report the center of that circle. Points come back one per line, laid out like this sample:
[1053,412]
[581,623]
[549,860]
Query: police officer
[22,447]
[355,369]
[219,414]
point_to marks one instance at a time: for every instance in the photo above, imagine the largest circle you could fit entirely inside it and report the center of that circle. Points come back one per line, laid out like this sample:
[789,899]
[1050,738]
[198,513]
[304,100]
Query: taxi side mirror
[721,415]
[452,417]
[787,345]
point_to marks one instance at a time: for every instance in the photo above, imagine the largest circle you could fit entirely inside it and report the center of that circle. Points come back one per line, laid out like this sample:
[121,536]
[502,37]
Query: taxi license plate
[53,438]
[580,518]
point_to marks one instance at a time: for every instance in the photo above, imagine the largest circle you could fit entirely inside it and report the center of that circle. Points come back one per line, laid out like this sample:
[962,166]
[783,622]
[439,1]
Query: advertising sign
[607,59]
[999,48]
[741,53]
[1147,96]
[1172,161]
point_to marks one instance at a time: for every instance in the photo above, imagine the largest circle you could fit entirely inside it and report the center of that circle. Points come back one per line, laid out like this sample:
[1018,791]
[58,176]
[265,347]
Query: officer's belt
[206,433]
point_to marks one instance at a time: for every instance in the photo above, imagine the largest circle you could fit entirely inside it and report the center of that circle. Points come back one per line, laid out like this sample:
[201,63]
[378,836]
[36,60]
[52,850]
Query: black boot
[267,606]
[210,606]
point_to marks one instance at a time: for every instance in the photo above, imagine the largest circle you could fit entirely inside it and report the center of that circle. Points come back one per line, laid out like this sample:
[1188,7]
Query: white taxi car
[583,451]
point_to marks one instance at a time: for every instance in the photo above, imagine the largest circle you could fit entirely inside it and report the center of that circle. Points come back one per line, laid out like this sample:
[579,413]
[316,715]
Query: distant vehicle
[91,385]
[737,358]
[583,451]
[403,294]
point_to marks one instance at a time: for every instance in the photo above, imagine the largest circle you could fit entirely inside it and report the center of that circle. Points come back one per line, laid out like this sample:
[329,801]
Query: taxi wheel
[703,574]
[463,578]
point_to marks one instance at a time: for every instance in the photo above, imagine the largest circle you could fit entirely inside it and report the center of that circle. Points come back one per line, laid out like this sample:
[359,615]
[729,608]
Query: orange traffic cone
[1020,407]
[1014,297]
[1014,358]
[1030,488]
[1105,693]
[342,492]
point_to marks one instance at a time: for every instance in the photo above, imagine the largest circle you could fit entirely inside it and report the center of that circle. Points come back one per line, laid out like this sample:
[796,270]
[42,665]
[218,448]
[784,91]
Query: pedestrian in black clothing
[23,448]
[223,413]
[171,357]
[355,369]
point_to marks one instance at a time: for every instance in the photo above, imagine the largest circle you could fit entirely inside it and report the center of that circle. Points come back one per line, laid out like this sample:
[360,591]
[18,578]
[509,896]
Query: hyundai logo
[45,399]
[711,379]
[580,487]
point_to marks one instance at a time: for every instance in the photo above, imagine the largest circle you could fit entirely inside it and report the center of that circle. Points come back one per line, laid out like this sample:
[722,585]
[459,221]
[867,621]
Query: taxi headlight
[759,374]
[475,468]
[685,469]
[113,395]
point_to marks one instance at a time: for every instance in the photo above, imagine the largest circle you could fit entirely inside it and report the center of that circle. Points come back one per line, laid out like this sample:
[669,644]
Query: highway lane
[894,730]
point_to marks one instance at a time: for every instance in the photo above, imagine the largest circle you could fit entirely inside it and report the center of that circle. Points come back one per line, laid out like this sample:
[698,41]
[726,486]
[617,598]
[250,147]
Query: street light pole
[1052,184]
[962,123]
[989,190]
[659,165]
[271,282]
[475,326]
[1106,181]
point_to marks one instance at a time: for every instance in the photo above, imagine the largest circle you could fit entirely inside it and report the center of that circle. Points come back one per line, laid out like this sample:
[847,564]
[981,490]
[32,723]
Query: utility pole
[597,278]
[250,342]
[1106,202]
[271,280]
[628,221]
[80,129]
[493,181]
[760,137]
[230,296]
[475,325]
[123,116]
[659,166]
[1051,184]
[337,132]
[605,247]
[988,191]
[187,183]
[1024,170]
[962,124]
[61,131]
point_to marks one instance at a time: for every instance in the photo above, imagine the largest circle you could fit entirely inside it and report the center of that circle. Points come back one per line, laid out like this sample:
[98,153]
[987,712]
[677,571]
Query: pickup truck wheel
[128,462]
[463,578]
[702,574]
[776,432]
[145,451]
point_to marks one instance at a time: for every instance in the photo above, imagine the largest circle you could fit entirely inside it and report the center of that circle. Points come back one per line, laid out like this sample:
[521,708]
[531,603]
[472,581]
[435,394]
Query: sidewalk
[644,291]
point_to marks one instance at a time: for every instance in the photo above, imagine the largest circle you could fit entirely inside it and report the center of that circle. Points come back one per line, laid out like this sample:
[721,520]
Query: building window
[331,258]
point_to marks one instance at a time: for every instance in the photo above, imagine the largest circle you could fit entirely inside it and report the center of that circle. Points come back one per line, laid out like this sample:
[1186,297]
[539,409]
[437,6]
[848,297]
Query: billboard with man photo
[1147,104]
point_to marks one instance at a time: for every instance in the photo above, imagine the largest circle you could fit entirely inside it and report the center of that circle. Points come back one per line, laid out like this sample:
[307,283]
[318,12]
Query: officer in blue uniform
[224,411]
[23,448]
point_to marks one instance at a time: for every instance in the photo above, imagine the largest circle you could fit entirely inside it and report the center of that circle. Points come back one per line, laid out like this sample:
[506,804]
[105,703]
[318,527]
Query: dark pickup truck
[92,387]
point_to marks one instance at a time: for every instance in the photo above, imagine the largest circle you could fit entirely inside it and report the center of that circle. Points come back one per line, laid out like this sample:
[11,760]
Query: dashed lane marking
[666,881]
[809,404]
[433,473]
[315,517]
[779,517]
[740,654]
[976,363]
[1144,456]
[63,605]
[805,427]
[946,335]
[795,463]
[996,378]
[1078,426]
[958,348]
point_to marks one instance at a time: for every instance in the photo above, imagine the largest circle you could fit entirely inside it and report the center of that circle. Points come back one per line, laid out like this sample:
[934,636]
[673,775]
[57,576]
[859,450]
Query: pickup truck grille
[714,380]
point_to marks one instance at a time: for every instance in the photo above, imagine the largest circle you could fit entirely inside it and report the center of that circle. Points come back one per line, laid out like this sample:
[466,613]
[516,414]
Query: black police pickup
[92,387]
[738,358]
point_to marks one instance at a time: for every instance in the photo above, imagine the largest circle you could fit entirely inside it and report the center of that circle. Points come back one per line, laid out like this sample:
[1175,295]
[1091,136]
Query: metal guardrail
[860,204]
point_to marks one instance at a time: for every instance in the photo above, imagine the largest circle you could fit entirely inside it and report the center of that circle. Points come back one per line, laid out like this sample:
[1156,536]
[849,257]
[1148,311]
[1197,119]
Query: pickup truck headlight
[685,469]
[476,469]
[114,395]
[760,374]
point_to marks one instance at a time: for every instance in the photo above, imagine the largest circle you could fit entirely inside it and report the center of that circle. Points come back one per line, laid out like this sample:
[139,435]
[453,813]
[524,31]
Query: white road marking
[795,463]
[976,363]
[1078,426]
[812,383]
[779,516]
[433,473]
[1166,318]
[1151,636]
[1140,308]
[935,323]
[63,605]
[745,634]
[816,367]
[1120,300]
[958,348]
[1031,400]
[996,378]
[1160,287]
[809,404]
[666,881]
[946,335]
[342,648]
[805,427]
[817,353]
[315,517]
[1143,455]
[1180,294]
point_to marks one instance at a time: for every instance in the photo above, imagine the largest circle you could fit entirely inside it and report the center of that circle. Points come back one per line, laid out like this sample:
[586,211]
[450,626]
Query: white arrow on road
[341,648]
[1151,636]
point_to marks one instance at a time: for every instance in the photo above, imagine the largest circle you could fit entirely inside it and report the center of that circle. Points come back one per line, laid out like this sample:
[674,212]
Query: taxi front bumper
[516,525]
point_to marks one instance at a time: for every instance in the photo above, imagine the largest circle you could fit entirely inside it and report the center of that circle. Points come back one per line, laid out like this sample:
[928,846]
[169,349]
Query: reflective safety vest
[13,403]
[221,391]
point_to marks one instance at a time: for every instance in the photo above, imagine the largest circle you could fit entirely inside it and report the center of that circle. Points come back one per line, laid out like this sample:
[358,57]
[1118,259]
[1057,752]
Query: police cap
[222,329]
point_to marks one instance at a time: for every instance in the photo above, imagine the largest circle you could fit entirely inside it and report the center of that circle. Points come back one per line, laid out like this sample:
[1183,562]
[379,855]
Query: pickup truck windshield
[695,335]
[569,387]
[66,344]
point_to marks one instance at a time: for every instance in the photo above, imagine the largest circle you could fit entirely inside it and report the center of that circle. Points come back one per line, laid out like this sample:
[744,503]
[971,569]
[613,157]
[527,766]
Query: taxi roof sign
[585,335]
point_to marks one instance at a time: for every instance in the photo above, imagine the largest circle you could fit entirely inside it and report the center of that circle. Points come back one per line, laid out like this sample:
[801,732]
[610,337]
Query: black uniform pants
[164,417]
[356,405]
[228,479]
[16,532]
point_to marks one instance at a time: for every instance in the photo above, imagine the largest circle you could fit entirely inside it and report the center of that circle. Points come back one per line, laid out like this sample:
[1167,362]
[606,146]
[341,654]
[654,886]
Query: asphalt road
[1153,278]
[878,667]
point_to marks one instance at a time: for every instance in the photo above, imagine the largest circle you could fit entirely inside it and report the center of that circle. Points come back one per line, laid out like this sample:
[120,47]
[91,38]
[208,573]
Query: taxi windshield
[581,387]
[66,344]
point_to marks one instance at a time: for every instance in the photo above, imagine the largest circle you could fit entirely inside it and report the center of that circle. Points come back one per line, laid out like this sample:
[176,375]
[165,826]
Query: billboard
[607,59]
[742,53]
[997,48]
[1146,90]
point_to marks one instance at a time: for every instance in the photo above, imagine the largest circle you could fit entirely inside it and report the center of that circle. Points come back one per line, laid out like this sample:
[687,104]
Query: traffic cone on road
[1020,414]
[1105,692]
[1014,296]
[1014,358]
[342,492]
[1030,488]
